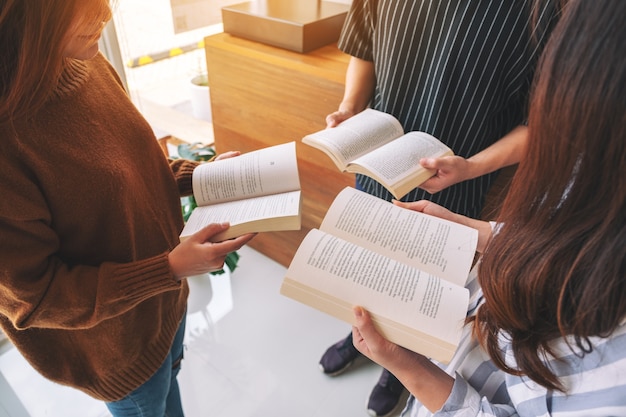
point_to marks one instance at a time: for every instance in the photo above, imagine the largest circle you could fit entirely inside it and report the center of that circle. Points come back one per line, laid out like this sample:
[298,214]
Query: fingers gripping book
[373,143]
[408,269]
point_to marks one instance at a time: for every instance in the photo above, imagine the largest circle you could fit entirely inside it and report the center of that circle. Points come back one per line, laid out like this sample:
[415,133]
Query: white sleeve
[465,401]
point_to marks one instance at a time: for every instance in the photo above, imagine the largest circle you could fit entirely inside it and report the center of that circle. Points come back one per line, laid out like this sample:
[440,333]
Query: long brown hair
[557,266]
[544,15]
[33,37]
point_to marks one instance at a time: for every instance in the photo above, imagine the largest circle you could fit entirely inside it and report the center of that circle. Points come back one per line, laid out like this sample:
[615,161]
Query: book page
[357,135]
[434,245]
[396,160]
[265,171]
[331,268]
[264,209]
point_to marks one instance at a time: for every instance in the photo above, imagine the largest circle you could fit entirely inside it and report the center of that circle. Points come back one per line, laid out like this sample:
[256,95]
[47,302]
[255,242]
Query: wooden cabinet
[263,96]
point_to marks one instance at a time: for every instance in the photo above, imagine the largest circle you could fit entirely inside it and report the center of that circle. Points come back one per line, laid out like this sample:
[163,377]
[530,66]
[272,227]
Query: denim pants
[358,185]
[159,396]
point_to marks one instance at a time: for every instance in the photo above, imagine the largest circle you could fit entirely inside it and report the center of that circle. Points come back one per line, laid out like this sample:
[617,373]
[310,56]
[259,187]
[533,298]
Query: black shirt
[459,70]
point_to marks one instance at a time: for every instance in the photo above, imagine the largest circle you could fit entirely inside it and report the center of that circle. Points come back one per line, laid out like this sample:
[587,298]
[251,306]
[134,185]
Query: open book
[257,191]
[406,268]
[373,143]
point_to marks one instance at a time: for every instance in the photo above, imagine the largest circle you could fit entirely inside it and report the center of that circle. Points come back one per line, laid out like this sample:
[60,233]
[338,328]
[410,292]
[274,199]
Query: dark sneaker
[339,357]
[385,396]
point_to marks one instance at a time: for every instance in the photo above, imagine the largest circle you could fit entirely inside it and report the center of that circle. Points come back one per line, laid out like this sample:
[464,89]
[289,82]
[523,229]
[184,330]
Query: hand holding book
[373,143]
[408,269]
[258,191]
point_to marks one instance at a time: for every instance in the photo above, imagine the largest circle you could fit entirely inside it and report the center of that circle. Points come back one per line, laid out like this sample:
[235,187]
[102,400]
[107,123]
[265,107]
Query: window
[157,48]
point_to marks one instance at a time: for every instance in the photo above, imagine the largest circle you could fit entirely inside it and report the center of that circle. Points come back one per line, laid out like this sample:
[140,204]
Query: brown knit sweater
[89,210]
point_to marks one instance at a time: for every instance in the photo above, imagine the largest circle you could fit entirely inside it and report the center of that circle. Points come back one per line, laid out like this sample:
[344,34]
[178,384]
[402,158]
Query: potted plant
[199,92]
[200,100]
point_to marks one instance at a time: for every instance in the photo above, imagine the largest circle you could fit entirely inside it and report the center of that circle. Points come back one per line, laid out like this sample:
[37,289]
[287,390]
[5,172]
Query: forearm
[444,395]
[484,228]
[359,88]
[428,383]
[506,151]
[485,231]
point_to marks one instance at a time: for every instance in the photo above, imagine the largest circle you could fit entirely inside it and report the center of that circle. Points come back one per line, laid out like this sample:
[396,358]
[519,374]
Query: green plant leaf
[195,151]
[232,259]
[187,205]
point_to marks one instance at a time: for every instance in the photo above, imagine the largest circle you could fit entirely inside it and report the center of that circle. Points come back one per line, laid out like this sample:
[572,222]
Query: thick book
[374,144]
[258,191]
[408,269]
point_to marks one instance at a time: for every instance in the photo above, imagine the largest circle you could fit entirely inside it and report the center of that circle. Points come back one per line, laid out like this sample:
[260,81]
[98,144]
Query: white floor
[251,352]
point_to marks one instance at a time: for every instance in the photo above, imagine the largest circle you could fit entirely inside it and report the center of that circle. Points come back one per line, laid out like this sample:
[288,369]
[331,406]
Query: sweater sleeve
[183,173]
[59,273]
[39,289]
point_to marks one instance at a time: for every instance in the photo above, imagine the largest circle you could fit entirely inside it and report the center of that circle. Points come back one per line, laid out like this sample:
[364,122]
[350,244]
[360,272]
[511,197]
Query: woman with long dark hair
[546,332]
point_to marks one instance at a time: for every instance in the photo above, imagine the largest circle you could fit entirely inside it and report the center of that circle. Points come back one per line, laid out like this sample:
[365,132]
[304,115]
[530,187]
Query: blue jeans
[357,185]
[159,396]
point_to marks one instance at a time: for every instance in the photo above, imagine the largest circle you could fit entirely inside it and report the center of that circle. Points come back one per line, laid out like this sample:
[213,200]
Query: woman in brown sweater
[92,288]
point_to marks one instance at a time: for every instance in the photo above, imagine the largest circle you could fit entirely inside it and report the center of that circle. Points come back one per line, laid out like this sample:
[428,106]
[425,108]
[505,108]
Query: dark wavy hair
[33,38]
[556,268]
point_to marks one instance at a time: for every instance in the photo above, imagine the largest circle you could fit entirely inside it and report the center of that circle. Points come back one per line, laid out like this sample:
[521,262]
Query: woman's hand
[450,170]
[373,345]
[425,380]
[198,255]
[337,117]
[434,209]
[227,155]
[430,208]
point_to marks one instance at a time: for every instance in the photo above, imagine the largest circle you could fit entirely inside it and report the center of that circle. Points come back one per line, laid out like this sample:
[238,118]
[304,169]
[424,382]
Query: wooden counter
[263,96]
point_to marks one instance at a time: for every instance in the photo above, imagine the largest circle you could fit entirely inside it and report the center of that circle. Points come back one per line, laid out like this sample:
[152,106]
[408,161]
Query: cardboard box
[296,25]
[194,14]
